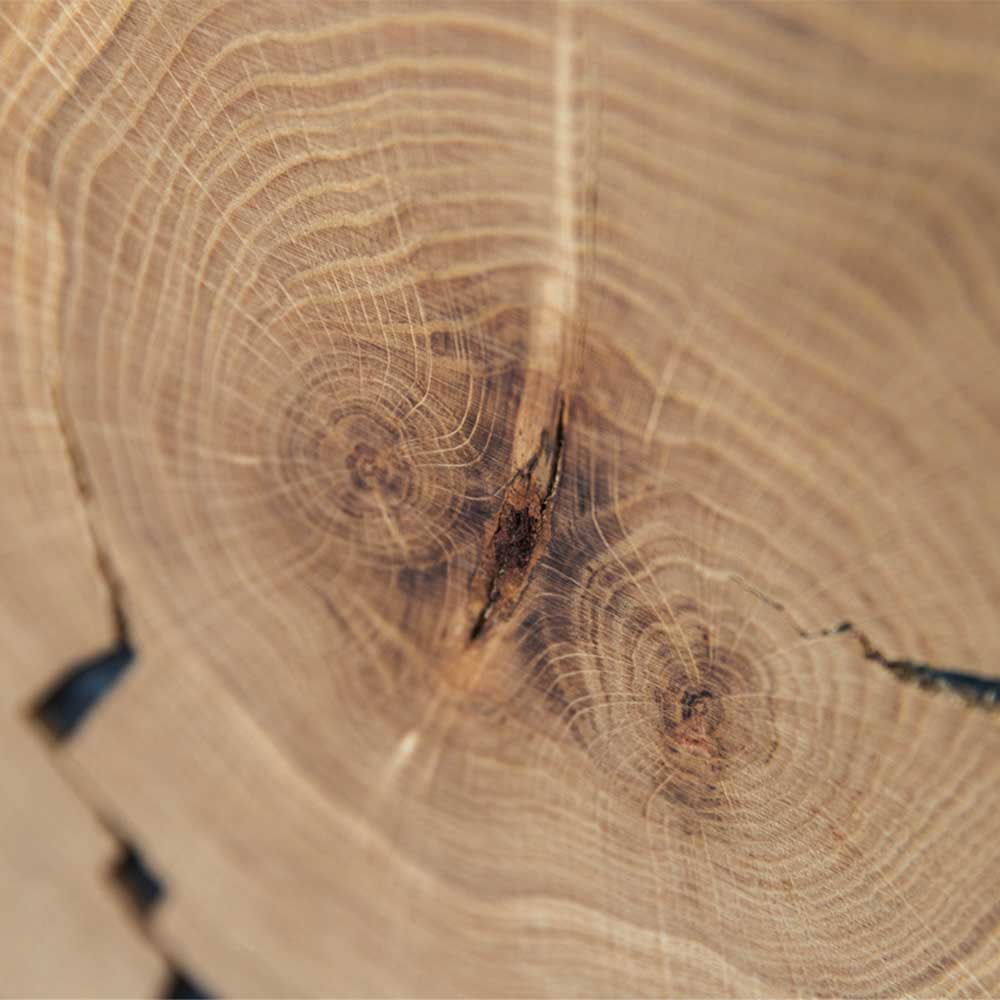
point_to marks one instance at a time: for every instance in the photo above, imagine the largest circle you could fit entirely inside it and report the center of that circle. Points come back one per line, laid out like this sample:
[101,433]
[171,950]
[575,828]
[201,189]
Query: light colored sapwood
[546,456]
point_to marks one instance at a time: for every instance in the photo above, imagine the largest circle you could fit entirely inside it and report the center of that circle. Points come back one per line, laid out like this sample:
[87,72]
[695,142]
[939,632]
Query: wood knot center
[366,474]
[375,470]
[693,704]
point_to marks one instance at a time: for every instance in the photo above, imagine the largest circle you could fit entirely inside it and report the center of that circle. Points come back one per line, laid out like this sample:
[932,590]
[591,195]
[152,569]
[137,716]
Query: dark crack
[521,529]
[182,987]
[558,448]
[140,887]
[974,689]
[142,890]
[983,692]
[63,708]
[77,464]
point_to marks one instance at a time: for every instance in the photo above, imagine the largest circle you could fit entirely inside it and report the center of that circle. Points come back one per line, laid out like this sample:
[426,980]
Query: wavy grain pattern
[544,458]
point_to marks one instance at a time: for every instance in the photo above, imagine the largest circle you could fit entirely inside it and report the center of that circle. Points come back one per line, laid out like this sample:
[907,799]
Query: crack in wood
[521,529]
[182,987]
[64,707]
[142,890]
[974,689]
[81,479]
[138,885]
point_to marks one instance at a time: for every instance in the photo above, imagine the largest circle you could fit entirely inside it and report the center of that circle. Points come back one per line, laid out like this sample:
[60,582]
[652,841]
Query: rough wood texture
[545,456]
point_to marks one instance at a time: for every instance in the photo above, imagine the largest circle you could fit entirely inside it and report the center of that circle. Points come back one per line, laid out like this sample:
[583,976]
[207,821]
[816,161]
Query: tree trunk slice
[544,457]
[63,928]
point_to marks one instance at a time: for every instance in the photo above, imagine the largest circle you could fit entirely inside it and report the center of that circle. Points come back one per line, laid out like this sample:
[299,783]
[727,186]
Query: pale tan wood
[524,437]
[55,605]
[63,929]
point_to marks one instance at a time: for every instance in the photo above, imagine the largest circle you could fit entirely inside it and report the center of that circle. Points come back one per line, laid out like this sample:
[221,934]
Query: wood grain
[63,929]
[545,457]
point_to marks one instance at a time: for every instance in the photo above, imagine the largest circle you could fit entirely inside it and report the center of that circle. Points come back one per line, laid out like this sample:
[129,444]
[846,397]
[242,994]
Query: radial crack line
[976,689]
[983,692]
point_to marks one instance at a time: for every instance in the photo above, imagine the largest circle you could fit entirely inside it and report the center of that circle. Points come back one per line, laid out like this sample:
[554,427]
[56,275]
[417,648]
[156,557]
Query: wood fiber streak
[544,458]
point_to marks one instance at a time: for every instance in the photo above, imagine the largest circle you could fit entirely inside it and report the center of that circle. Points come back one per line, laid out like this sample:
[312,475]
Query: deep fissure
[521,525]
[975,689]
[63,708]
